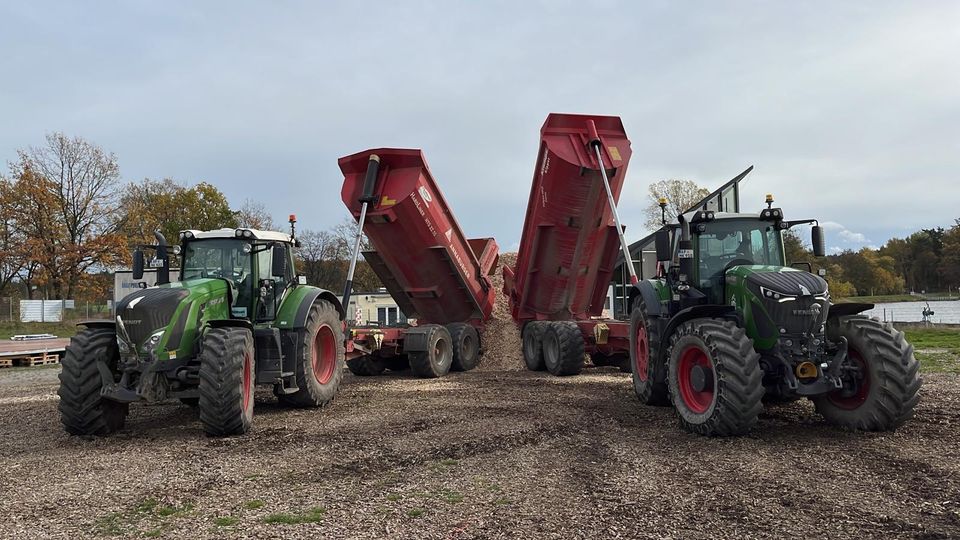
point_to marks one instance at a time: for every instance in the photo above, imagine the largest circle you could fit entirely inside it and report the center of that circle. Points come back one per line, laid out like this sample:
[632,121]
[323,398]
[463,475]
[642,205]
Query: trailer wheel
[368,365]
[563,348]
[466,346]
[397,363]
[437,359]
[319,358]
[880,375]
[226,381]
[649,374]
[82,410]
[533,345]
[715,379]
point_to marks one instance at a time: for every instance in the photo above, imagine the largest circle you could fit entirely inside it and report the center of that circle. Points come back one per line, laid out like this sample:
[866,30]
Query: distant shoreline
[895,298]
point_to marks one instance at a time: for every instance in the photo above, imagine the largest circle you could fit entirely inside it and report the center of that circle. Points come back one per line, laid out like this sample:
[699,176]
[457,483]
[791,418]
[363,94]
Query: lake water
[946,311]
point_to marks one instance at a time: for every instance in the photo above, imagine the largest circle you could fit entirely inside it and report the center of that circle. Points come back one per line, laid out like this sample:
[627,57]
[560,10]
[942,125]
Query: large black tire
[320,358]
[882,391]
[563,348]
[728,400]
[437,359]
[368,365]
[649,375]
[226,381]
[82,410]
[466,346]
[533,345]
[399,362]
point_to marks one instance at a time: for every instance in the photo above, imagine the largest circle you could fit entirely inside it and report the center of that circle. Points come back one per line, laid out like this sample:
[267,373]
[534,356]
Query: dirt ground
[491,453]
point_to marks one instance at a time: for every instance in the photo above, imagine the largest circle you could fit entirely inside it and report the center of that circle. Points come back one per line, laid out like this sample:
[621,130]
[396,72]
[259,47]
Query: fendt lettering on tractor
[727,325]
[238,317]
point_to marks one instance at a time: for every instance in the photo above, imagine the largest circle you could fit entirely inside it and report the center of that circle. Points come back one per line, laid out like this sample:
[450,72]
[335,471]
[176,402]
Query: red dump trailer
[434,273]
[568,251]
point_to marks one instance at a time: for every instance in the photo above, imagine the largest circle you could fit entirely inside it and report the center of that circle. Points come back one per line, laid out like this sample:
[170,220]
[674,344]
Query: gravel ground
[484,454]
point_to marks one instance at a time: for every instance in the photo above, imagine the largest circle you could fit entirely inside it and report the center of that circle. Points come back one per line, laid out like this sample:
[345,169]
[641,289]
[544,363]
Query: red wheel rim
[247,380]
[643,353]
[844,398]
[697,401]
[324,354]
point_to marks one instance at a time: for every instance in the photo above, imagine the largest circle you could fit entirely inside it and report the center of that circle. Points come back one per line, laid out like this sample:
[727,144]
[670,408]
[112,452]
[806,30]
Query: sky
[849,111]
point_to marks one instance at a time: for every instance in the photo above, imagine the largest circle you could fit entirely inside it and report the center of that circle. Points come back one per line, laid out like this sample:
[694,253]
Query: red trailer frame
[434,273]
[569,246]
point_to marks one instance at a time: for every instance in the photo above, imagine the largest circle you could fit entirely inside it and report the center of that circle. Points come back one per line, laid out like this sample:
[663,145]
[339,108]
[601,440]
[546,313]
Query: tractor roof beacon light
[594,142]
[769,200]
[369,185]
[663,210]
[293,227]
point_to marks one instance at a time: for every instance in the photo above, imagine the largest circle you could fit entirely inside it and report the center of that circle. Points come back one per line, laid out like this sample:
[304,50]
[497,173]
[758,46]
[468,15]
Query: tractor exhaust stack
[369,183]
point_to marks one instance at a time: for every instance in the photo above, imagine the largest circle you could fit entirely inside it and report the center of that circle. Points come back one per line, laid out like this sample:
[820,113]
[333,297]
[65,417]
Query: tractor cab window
[270,288]
[727,243]
[221,258]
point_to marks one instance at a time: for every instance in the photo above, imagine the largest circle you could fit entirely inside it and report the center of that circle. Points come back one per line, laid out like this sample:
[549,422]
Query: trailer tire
[226,381]
[720,356]
[563,348]
[368,365]
[883,399]
[399,362]
[437,359]
[533,345]
[466,346]
[82,410]
[649,375]
[320,358]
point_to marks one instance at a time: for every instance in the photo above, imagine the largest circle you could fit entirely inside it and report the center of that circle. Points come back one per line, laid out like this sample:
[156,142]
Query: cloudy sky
[849,111]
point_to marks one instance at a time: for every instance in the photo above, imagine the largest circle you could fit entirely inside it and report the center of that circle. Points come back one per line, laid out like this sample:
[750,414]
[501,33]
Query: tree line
[69,220]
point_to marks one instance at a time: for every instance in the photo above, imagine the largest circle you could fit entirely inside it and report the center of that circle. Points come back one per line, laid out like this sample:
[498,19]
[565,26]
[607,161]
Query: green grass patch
[451,497]
[393,497]
[313,515]
[10,329]
[226,521]
[111,524]
[415,512]
[253,505]
[154,533]
[937,349]
[502,501]
[146,505]
[167,511]
[449,462]
[939,362]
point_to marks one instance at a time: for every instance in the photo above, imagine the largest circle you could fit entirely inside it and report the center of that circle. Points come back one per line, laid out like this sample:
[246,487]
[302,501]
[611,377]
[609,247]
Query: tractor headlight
[151,344]
[776,295]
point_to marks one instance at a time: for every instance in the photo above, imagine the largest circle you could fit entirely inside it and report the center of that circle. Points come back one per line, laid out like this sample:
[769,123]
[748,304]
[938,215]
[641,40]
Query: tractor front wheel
[82,410]
[226,381]
[715,379]
[563,348]
[466,346]
[649,374]
[437,359]
[319,358]
[880,377]
[533,345]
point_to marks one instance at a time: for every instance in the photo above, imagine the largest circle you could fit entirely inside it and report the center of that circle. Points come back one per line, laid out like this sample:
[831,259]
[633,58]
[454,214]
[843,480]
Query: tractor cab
[257,266]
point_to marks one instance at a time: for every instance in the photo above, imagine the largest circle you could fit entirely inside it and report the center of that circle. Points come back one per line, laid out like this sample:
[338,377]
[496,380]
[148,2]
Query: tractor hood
[172,308]
[785,281]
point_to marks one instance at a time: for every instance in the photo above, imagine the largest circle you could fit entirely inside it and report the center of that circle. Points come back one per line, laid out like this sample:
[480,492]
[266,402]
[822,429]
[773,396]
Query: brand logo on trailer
[425,195]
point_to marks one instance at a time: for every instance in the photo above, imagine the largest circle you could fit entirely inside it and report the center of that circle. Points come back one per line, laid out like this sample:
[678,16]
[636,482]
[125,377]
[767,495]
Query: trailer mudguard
[296,306]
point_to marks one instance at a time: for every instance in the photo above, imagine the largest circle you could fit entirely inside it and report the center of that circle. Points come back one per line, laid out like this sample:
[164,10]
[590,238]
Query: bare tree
[680,195]
[254,214]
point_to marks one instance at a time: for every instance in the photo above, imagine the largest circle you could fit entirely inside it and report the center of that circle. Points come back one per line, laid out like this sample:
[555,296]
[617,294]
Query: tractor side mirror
[138,264]
[816,233]
[662,240]
[279,265]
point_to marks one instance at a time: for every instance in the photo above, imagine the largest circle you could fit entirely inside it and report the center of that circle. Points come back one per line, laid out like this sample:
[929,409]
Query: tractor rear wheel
[715,379]
[533,345]
[466,346]
[226,381]
[437,359]
[367,365]
[649,374]
[563,348]
[82,410]
[880,375]
[319,358]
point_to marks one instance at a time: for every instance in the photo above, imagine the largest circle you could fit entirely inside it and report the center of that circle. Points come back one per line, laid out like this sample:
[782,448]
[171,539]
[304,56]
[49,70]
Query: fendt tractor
[727,325]
[238,317]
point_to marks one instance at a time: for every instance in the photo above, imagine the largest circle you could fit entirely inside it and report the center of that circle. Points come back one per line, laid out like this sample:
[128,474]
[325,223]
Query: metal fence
[17,310]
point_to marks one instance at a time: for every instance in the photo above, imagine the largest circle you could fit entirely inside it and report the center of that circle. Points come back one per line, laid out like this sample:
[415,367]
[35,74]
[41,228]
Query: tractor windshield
[732,242]
[221,258]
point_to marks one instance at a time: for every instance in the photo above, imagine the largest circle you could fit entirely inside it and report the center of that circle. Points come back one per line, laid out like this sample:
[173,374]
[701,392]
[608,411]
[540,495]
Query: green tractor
[727,326]
[238,317]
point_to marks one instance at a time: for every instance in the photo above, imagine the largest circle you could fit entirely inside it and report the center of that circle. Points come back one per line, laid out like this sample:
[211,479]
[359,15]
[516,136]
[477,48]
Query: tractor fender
[699,312]
[106,324]
[228,323]
[650,298]
[842,310]
[296,306]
